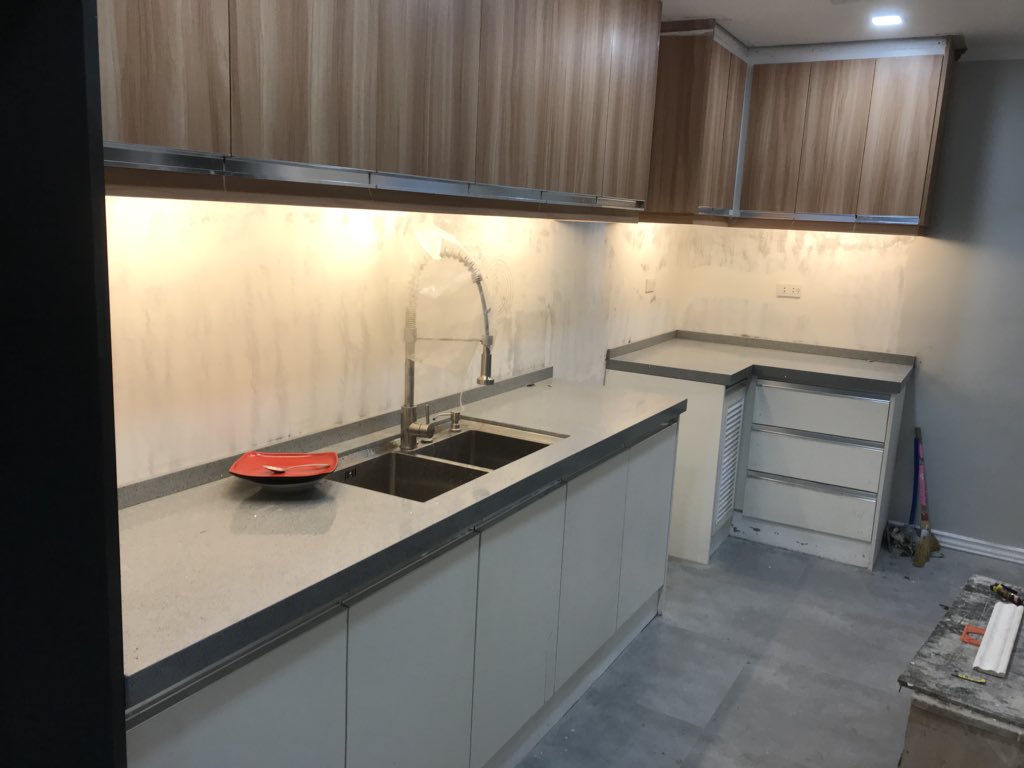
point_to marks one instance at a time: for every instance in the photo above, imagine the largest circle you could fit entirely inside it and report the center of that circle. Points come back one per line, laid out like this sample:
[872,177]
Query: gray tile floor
[766,658]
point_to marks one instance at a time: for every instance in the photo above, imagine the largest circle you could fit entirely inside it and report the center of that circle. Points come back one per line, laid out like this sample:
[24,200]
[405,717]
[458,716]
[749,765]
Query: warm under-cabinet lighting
[887,20]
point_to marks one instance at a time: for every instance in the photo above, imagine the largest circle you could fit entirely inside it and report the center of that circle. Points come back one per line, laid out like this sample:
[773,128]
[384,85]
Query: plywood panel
[727,77]
[164,72]
[679,119]
[838,100]
[898,146]
[428,60]
[771,170]
[303,76]
[631,32]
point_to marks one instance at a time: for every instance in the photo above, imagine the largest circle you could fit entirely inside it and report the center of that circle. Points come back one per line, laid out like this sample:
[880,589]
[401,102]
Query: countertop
[730,360]
[212,570]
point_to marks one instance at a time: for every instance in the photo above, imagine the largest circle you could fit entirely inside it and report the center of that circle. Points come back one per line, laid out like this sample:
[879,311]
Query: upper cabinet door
[303,75]
[778,103]
[515,92]
[631,45]
[727,79]
[164,73]
[679,117]
[577,70]
[838,100]
[900,136]
[428,60]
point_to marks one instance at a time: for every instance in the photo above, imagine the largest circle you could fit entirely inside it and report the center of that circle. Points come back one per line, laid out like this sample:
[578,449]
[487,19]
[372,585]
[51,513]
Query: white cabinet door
[591,558]
[651,473]
[410,661]
[517,622]
[286,707]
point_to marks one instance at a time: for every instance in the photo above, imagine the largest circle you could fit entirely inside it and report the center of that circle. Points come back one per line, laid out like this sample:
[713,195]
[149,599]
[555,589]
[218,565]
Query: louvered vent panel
[729,457]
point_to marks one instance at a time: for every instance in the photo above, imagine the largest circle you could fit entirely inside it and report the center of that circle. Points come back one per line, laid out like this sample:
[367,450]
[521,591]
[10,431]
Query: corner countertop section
[215,570]
[728,360]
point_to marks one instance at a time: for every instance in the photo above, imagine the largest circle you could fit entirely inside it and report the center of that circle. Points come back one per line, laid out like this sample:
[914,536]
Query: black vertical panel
[62,678]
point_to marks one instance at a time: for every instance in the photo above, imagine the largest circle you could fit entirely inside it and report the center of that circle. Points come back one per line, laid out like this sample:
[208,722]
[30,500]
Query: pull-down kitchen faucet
[438,245]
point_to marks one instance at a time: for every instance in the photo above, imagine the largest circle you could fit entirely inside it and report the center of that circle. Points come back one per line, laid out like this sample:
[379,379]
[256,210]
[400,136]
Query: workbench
[955,722]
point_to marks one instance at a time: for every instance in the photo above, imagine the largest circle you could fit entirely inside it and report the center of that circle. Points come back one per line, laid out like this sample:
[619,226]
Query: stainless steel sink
[490,450]
[411,477]
[452,459]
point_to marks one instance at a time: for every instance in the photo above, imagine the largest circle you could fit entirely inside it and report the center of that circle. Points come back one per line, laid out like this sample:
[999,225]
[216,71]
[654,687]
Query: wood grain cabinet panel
[679,112]
[515,93]
[900,132]
[164,73]
[428,65]
[838,100]
[578,76]
[724,112]
[698,111]
[778,102]
[631,32]
[303,80]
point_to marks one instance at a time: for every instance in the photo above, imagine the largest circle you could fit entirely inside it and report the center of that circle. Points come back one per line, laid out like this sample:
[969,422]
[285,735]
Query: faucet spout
[439,245]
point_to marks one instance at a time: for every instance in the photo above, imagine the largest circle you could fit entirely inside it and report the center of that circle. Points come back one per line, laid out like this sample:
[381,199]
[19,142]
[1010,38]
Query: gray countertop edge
[158,686]
[794,346]
[671,372]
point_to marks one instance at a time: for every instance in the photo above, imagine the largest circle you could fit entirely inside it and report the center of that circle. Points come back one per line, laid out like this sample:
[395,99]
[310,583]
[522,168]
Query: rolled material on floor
[1000,636]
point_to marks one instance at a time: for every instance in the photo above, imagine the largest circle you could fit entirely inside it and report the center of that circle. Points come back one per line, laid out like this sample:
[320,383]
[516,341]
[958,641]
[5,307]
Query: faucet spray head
[485,366]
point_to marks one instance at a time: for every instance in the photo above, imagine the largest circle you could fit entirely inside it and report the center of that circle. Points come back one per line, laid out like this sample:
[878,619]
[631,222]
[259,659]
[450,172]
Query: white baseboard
[959,543]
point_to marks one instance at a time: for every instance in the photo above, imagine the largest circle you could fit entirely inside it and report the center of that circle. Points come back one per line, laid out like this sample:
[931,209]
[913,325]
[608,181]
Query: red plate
[299,468]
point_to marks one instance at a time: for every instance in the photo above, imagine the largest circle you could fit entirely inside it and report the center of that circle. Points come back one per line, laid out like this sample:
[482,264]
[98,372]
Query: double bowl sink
[450,460]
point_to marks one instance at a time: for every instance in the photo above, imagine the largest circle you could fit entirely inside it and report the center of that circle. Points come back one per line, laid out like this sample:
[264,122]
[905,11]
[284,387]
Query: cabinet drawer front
[863,418]
[816,510]
[850,466]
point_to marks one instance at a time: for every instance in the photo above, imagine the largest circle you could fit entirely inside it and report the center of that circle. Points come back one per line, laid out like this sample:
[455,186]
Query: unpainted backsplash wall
[238,325]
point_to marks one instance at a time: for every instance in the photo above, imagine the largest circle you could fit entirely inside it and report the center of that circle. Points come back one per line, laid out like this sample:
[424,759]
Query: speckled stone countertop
[730,360]
[211,570]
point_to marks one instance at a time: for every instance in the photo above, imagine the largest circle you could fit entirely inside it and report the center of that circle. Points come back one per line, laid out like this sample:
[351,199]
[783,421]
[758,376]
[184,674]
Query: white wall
[238,325]
[955,299]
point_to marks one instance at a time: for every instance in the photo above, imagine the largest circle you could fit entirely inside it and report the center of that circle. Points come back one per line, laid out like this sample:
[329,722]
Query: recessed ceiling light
[888,20]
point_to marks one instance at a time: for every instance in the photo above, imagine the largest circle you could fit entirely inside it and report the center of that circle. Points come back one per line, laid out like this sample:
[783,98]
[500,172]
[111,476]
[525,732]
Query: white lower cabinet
[649,482]
[286,707]
[517,622]
[410,662]
[591,560]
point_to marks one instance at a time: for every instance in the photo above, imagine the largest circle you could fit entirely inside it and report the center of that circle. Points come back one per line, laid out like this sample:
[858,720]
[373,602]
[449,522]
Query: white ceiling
[992,29]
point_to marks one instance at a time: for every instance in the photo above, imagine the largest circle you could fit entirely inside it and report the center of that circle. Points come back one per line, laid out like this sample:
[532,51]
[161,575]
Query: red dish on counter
[284,469]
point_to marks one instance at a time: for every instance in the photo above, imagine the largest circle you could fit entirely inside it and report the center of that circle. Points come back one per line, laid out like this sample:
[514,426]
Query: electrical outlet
[787,290]
[649,285]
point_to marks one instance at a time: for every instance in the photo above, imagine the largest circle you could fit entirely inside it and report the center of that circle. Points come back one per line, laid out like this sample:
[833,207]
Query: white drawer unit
[809,507]
[819,470]
[822,411]
[816,459]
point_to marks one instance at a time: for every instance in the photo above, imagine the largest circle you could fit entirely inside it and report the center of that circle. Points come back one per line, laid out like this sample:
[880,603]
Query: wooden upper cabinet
[900,136]
[515,92]
[778,103]
[838,100]
[698,110]
[631,45]
[303,75]
[727,79]
[567,95]
[428,62]
[164,73]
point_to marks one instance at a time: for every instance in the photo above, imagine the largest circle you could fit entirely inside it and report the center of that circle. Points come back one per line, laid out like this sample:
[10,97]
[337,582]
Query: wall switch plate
[649,285]
[787,290]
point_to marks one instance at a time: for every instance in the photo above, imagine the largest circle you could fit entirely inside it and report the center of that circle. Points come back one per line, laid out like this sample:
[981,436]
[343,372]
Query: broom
[927,543]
